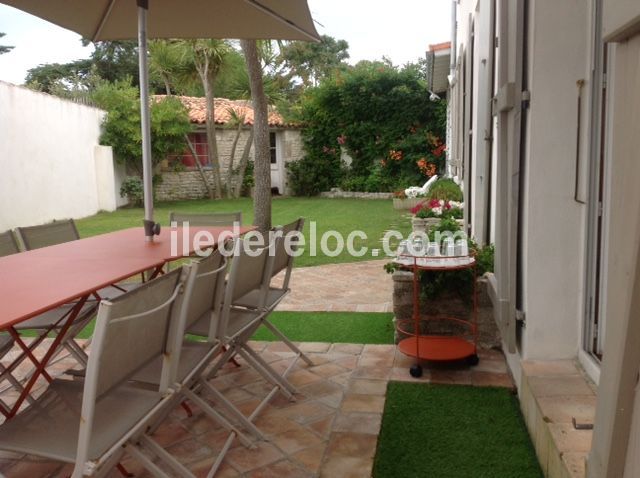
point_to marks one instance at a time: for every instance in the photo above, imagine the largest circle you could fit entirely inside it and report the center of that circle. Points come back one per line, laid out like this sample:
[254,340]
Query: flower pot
[418,224]
[406,203]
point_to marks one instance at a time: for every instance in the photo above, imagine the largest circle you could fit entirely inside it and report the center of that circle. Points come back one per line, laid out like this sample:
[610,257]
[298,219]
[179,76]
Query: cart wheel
[416,370]
[473,359]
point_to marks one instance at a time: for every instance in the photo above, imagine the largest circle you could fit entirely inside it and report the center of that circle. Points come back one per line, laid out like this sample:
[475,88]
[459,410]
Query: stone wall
[337,193]
[488,335]
[184,185]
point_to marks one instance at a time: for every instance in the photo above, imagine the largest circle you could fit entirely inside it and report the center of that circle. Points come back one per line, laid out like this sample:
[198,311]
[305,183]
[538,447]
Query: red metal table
[36,281]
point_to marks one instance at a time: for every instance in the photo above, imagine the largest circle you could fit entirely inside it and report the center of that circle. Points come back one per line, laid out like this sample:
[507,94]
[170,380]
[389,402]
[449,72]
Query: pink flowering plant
[438,208]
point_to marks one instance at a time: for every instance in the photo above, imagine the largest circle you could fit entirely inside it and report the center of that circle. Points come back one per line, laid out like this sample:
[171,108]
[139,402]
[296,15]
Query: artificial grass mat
[333,327]
[453,431]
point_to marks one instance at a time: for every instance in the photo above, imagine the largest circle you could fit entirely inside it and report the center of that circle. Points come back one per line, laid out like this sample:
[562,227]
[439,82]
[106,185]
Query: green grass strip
[334,327]
[453,431]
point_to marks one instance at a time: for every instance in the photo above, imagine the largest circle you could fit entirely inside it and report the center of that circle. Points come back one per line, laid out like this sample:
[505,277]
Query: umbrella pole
[150,228]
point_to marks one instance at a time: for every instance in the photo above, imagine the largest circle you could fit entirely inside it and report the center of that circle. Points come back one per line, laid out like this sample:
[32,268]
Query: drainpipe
[452,80]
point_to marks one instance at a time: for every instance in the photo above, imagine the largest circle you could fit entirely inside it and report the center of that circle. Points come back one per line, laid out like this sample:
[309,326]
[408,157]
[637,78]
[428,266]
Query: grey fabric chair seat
[49,318]
[252,299]
[239,319]
[49,427]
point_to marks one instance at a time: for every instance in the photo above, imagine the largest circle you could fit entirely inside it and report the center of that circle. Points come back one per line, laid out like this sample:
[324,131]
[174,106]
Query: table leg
[40,365]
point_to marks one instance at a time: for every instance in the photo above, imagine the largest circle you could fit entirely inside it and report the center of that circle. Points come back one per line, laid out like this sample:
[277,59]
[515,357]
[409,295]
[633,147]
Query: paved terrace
[330,430]
[354,287]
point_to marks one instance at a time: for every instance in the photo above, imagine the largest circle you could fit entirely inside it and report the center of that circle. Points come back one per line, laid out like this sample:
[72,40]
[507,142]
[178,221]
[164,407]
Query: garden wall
[337,193]
[52,164]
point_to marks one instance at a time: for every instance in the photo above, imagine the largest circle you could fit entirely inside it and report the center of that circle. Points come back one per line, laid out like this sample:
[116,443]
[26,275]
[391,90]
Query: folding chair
[58,232]
[204,289]
[274,295]
[8,244]
[248,271]
[207,219]
[50,321]
[93,423]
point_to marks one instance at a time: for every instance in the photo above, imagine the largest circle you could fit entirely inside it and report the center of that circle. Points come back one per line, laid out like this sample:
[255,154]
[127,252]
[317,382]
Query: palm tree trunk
[212,150]
[242,166]
[232,157]
[262,161]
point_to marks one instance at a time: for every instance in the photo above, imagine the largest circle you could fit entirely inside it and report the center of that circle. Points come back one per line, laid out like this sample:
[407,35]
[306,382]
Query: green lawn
[333,327]
[453,431]
[373,217]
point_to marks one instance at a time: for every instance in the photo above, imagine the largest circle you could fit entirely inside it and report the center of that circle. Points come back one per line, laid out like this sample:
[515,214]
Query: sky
[400,30]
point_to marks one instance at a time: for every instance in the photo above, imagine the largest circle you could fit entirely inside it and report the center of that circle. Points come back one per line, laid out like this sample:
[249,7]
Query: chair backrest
[250,268]
[35,237]
[203,293]
[130,331]
[212,219]
[204,288]
[282,259]
[8,244]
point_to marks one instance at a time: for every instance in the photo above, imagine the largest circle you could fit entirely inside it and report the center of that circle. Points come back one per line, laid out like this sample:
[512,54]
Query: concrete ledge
[552,394]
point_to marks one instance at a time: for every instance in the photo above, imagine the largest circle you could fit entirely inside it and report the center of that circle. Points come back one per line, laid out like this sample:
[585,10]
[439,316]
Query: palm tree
[262,158]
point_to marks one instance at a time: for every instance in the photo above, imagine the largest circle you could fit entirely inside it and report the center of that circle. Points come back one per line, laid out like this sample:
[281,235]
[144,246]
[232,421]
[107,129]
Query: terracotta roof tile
[222,110]
[440,46]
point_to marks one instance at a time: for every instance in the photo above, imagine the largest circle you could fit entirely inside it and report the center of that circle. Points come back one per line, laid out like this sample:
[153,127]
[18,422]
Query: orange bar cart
[432,346]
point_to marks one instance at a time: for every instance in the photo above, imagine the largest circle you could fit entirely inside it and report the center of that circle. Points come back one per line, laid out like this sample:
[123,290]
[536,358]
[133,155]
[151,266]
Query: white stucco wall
[554,223]
[49,168]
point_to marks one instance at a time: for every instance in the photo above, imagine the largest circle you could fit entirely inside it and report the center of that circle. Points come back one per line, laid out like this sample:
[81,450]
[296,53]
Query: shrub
[445,189]
[133,190]
[382,117]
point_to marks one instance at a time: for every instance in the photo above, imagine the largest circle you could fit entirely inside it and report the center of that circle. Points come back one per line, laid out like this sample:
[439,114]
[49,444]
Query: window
[201,147]
[272,148]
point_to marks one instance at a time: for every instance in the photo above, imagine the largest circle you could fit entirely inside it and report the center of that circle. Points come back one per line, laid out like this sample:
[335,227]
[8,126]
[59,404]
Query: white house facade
[545,131]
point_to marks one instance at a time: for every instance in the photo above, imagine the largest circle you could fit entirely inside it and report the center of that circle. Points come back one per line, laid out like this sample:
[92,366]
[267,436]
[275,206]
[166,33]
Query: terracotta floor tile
[352,444]
[403,375]
[368,387]
[306,412]
[491,379]
[354,402]
[170,432]
[350,362]
[372,372]
[281,469]
[33,468]
[368,423]
[295,440]
[455,377]
[323,426]
[245,460]
[352,349]
[375,362]
[342,379]
[334,400]
[314,347]
[327,370]
[190,450]
[346,467]
[202,469]
[302,377]
[491,365]
[311,458]
[321,388]
[274,423]
[552,367]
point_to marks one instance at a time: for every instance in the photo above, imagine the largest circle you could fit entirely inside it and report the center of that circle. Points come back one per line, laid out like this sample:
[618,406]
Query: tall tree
[312,62]
[4,48]
[262,158]
[207,58]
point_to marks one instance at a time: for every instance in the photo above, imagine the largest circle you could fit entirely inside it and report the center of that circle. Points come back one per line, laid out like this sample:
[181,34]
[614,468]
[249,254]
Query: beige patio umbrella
[125,19]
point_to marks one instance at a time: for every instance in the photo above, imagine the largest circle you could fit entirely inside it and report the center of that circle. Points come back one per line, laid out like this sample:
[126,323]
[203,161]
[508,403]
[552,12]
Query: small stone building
[180,176]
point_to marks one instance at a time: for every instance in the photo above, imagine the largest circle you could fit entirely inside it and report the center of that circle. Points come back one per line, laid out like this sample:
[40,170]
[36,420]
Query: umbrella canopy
[117,19]
[126,19]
